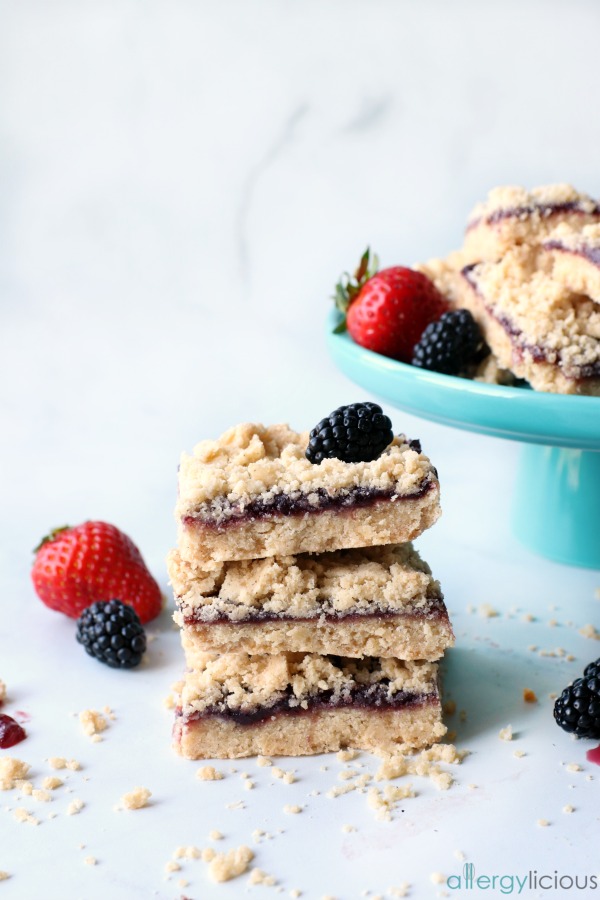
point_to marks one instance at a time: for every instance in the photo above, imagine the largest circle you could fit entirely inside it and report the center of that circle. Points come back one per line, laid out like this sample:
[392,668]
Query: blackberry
[111,631]
[450,343]
[577,710]
[359,432]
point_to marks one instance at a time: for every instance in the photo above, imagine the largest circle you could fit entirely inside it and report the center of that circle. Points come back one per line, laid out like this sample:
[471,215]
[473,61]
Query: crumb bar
[236,705]
[374,601]
[253,494]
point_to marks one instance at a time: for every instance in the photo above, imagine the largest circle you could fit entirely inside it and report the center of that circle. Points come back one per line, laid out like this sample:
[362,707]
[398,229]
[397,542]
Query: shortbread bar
[253,494]
[235,705]
[513,215]
[534,323]
[377,601]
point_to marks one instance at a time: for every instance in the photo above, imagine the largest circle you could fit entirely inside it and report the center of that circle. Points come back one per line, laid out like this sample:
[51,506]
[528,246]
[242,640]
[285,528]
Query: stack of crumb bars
[309,622]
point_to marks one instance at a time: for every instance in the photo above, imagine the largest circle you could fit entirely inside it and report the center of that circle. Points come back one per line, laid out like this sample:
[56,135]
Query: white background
[180,185]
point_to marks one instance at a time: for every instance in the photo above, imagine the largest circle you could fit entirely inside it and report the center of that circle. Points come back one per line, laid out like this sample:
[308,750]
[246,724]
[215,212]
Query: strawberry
[75,567]
[387,311]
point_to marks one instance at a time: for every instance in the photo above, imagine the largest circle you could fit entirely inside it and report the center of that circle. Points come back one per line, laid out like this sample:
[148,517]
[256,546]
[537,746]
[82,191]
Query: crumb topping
[366,580]
[524,203]
[238,681]
[251,462]
[11,771]
[209,773]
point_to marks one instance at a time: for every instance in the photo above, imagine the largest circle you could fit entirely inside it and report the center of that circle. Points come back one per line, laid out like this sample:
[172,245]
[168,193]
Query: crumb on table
[136,799]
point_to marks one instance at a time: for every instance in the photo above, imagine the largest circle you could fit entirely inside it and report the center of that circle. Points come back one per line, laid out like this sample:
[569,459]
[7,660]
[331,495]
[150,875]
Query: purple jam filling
[544,209]
[363,697]
[296,505]
[592,254]
[435,610]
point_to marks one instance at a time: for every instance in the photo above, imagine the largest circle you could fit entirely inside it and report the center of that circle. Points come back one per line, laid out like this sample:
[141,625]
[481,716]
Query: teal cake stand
[557,500]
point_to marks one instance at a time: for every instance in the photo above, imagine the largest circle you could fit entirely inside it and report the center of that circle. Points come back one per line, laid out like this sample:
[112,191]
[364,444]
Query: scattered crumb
[437,878]
[292,809]
[574,767]
[75,807]
[400,891]
[459,855]
[42,796]
[135,799]
[543,823]
[257,876]
[22,815]
[238,804]
[216,835]
[568,808]
[183,882]
[552,623]
[225,866]
[472,787]
[169,702]
[384,802]
[348,828]
[588,631]
[519,754]
[487,611]
[25,787]
[528,617]
[92,722]
[208,854]
[172,866]
[186,853]
[346,755]
[532,648]
[2,691]
[57,762]
[5,875]
[209,773]
[288,777]
[90,860]
[295,893]
[248,784]
[529,696]
[263,761]
[449,707]
[51,782]
[506,734]
[12,770]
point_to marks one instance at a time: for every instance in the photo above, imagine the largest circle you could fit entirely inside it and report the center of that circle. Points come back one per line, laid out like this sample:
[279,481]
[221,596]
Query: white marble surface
[180,184]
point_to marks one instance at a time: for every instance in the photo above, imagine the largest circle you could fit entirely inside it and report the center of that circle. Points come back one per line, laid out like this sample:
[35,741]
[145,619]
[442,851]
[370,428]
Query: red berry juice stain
[11,732]
[593,755]
[22,716]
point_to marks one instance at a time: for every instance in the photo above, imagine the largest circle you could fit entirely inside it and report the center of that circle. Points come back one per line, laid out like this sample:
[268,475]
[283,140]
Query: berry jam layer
[575,259]
[319,729]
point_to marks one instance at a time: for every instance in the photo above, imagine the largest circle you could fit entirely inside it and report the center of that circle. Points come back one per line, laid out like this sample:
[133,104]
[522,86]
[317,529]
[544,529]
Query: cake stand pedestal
[557,501]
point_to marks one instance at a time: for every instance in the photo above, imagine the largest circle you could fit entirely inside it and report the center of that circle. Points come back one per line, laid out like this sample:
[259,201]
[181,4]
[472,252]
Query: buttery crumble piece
[459,855]
[225,866]
[384,802]
[172,866]
[295,893]
[12,770]
[22,815]
[92,722]
[2,691]
[90,860]
[588,631]
[57,762]
[568,808]
[348,828]
[4,876]
[51,782]
[25,787]
[216,835]
[401,891]
[346,755]
[42,795]
[249,784]
[73,765]
[519,754]
[186,853]
[529,696]
[136,799]
[487,611]
[209,773]
[257,876]
[438,878]
[208,854]
[574,767]
[263,761]
[506,734]
[75,807]
[292,809]
[543,823]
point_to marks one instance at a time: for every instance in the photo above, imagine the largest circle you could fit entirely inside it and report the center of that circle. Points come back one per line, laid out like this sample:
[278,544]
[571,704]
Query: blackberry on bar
[577,710]
[112,633]
[359,432]
[450,344]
